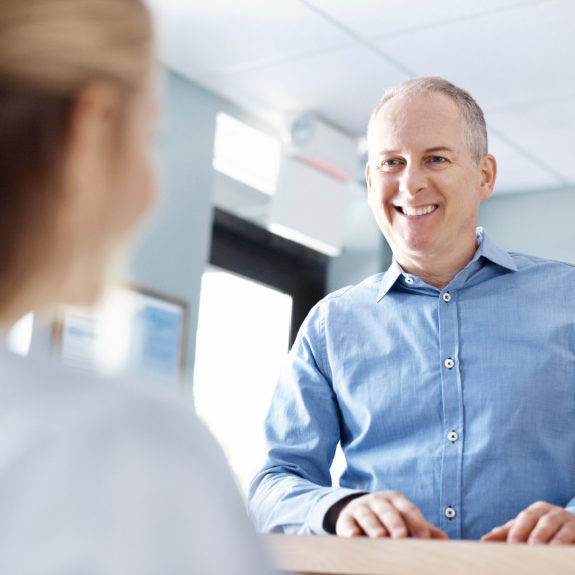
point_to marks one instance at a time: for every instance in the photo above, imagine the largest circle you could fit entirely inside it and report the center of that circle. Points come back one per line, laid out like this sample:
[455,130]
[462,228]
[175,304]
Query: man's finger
[498,533]
[346,526]
[547,526]
[392,520]
[565,535]
[525,522]
[437,533]
[370,523]
[412,516]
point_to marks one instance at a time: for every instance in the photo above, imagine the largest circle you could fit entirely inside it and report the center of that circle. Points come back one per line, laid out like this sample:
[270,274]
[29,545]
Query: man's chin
[418,246]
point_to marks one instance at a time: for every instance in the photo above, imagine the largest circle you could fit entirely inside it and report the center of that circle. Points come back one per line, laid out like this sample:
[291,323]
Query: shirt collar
[490,250]
[487,249]
[389,278]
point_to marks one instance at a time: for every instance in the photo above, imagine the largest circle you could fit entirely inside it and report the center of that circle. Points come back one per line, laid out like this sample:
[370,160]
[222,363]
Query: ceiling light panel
[246,154]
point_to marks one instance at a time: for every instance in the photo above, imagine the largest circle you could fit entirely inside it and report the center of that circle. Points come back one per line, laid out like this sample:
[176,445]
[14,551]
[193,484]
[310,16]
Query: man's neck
[437,271]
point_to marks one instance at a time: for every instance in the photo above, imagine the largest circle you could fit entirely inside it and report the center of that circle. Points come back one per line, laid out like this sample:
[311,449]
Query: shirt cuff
[570,509]
[316,518]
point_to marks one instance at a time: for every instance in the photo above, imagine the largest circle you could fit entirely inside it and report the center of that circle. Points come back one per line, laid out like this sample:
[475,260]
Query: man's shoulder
[527,261]
[363,290]
[345,301]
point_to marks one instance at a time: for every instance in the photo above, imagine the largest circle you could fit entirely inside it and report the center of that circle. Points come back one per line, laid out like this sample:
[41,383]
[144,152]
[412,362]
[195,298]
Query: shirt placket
[453,432]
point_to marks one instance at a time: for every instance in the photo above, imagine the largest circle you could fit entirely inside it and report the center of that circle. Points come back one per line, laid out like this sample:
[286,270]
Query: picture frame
[133,332]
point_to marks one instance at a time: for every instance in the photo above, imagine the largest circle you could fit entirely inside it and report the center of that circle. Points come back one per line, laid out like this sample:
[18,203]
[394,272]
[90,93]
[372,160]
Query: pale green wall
[537,223]
[171,256]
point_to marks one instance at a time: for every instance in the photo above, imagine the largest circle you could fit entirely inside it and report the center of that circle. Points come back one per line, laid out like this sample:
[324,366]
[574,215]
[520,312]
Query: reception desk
[362,556]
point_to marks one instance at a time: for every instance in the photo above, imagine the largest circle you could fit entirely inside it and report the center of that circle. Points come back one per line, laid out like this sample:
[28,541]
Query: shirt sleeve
[571,506]
[292,492]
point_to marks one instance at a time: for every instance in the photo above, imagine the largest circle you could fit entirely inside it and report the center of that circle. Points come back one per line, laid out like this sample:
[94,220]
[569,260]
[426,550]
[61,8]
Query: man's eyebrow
[427,151]
[438,149]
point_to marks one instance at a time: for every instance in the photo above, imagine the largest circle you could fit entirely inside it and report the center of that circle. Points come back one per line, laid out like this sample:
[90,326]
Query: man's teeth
[418,211]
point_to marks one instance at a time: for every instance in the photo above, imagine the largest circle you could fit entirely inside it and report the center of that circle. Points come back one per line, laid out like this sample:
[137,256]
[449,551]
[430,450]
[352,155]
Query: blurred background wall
[538,223]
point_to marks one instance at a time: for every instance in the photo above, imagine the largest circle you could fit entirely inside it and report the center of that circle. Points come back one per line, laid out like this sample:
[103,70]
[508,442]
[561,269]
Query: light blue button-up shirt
[462,399]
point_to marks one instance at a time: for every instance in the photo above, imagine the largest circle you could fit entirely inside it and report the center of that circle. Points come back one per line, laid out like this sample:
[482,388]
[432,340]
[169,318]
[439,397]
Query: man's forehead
[402,110]
[415,118]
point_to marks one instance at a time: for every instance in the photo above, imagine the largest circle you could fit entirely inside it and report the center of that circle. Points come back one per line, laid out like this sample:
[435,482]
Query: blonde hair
[49,51]
[474,130]
[57,46]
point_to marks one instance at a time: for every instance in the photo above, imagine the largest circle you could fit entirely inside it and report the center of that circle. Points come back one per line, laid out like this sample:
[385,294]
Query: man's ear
[488,170]
[368,180]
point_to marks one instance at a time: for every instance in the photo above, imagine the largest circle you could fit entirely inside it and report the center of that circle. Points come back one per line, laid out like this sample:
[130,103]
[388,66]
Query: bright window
[242,344]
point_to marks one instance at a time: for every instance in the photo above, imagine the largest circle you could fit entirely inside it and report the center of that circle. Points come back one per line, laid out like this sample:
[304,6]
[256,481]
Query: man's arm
[292,493]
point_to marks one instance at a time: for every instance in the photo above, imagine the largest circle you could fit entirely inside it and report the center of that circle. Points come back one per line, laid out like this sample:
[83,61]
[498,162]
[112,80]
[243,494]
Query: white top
[100,478]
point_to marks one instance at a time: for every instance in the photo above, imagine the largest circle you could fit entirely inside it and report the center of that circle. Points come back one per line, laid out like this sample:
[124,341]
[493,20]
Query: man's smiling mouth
[421,211]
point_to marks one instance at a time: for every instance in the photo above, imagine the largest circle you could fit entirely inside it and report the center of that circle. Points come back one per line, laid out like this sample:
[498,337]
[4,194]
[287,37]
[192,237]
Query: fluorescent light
[246,154]
[304,239]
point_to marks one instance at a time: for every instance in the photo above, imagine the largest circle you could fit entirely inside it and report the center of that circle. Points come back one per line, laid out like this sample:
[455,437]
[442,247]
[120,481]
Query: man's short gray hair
[474,130]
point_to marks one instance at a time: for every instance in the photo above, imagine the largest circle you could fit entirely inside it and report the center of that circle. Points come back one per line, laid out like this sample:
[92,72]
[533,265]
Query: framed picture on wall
[132,332]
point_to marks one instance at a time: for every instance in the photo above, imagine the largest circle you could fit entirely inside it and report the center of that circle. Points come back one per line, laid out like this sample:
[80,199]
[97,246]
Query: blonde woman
[94,477]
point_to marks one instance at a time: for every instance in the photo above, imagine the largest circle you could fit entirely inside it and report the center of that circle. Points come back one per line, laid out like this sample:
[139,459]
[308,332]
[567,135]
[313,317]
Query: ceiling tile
[502,59]
[222,36]
[377,18]
[545,130]
[342,86]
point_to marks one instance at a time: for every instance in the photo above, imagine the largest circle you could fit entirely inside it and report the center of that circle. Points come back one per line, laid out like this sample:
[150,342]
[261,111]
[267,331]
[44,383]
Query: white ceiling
[336,57]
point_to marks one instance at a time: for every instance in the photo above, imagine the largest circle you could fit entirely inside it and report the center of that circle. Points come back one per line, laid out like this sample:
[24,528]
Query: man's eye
[437,159]
[391,163]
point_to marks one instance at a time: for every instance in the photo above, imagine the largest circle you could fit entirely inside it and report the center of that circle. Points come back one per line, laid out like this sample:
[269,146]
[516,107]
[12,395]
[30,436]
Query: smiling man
[449,379]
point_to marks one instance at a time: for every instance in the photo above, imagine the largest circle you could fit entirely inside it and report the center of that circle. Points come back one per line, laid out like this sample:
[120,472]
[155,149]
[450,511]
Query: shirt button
[446,297]
[450,512]
[452,436]
[449,363]
[408,280]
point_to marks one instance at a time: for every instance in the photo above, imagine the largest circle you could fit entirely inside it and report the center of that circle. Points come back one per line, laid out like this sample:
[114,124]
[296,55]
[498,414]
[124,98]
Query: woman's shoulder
[50,399]
[114,468]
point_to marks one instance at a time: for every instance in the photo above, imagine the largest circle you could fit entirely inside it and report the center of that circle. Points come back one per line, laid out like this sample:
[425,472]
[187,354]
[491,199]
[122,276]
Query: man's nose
[413,180]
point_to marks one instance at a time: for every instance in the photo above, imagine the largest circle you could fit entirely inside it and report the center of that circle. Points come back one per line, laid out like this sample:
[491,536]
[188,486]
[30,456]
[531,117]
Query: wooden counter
[362,556]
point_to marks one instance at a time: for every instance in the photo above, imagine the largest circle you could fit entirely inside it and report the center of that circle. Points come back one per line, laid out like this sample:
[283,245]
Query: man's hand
[539,523]
[384,514]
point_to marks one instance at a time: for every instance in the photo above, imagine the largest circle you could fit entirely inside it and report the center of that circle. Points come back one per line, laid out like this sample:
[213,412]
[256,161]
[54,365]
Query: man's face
[424,188]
